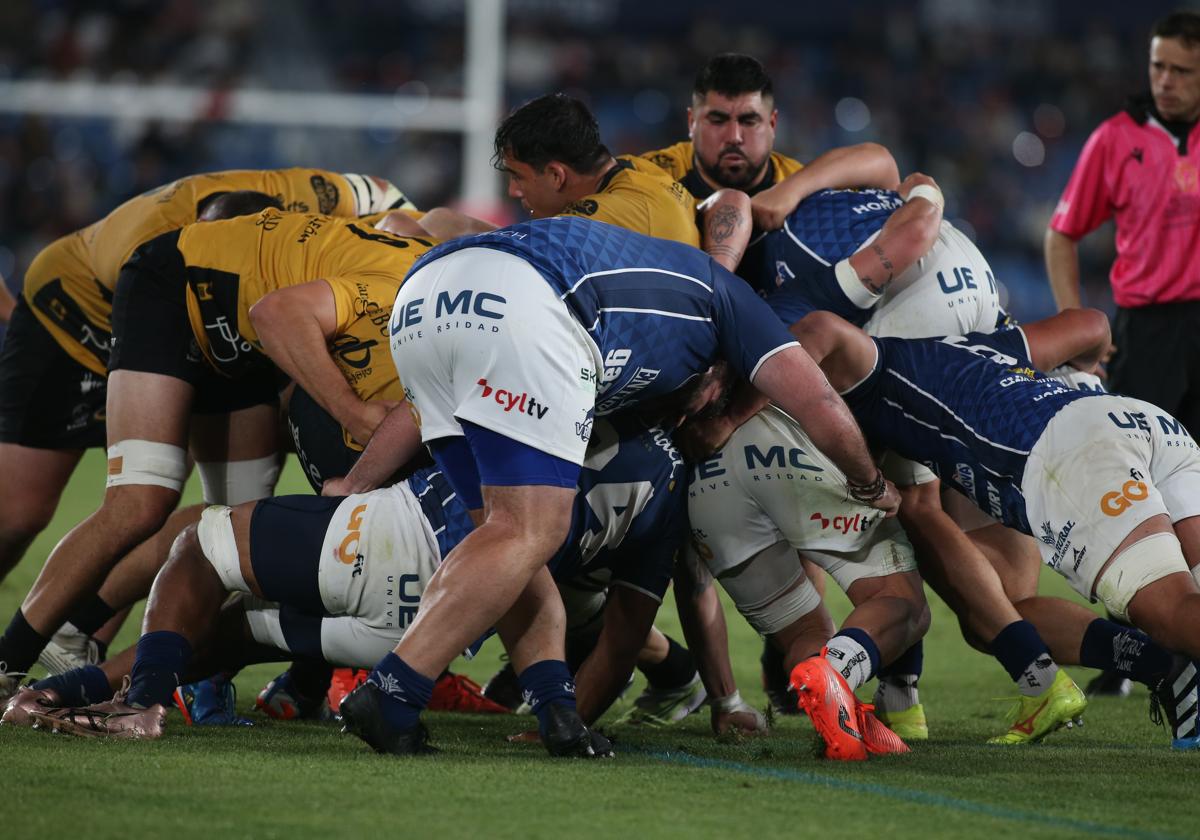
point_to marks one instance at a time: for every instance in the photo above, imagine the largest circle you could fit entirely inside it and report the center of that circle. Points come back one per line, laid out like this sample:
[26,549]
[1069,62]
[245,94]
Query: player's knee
[234,482]
[146,463]
[217,543]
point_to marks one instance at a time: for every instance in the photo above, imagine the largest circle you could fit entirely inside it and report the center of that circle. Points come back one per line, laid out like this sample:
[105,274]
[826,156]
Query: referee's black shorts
[1158,358]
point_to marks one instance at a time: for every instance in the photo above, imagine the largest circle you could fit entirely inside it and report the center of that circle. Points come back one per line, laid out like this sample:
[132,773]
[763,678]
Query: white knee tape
[1141,564]
[215,532]
[146,462]
[1196,574]
[770,590]
[234,482]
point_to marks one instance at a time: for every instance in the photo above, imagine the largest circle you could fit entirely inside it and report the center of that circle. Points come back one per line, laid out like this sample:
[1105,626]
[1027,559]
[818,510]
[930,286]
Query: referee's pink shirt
[1135,173]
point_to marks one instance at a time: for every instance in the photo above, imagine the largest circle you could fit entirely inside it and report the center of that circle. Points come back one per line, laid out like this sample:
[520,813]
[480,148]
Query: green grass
[1115,777]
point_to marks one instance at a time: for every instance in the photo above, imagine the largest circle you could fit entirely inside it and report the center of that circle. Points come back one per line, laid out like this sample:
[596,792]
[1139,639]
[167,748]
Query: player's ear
[558,174]
[774,118]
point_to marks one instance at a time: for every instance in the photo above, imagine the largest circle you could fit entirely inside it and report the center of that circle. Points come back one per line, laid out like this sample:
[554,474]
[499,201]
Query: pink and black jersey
[1146,178]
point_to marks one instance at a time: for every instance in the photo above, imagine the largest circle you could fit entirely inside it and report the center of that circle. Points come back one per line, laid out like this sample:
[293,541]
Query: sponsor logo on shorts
[844,524]
[520,402]
[1060,541]
[1116,502]
[584,429]
[348,552]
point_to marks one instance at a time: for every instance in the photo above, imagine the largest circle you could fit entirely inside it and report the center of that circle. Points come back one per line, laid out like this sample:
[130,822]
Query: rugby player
[1107,483]
[731,131]
[53,367]
[767,494]
[550,150]
[183,298]
[509,343]
[341,578]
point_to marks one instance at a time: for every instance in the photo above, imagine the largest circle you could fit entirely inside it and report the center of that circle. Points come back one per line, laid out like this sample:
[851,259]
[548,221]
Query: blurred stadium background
[100,101]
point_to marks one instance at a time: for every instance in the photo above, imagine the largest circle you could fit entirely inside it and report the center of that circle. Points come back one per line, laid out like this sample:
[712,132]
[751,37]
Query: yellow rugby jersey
[679,161]
[84,286]
[638,196]
[232,264]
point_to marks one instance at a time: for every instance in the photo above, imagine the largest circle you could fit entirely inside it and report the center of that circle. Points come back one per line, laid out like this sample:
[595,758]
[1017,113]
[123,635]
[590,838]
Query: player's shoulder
[675,160]
[784,166]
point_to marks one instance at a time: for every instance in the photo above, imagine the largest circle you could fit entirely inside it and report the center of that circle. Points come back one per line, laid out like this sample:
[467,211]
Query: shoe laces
[123,691]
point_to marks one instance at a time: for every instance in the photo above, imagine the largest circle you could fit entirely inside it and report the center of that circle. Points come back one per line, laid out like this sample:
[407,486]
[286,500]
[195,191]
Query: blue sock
[79,686]
[545,684]
[405,692]
[162,657]
[1109,646]
[1020,649]
[909,663]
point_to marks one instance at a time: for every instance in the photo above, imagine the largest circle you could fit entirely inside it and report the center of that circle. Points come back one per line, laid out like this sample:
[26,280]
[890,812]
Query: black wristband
[870,492]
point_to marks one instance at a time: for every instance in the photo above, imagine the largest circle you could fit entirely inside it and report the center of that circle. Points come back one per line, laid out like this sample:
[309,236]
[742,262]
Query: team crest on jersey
[584,207]
[326,192]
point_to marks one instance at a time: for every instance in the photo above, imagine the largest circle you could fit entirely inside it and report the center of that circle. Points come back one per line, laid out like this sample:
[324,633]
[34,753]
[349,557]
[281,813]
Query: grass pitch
[1114,777]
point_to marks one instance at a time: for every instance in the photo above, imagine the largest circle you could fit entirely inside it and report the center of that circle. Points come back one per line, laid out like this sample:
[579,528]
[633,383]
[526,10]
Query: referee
[1142,168]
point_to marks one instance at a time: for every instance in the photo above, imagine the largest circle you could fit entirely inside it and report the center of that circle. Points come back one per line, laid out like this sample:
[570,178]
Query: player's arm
[703,623]
[725,226]
[628,617]
[906,236]
[295,325]
[1078,337]
[440,223]
[1062,267]
[864,165]
[395,442]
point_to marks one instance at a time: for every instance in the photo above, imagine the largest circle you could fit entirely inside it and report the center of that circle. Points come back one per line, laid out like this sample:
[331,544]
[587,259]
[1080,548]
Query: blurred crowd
[994,99]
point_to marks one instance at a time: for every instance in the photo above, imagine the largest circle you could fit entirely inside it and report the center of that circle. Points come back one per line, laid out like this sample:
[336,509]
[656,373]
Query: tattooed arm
[725,226]
[906,236]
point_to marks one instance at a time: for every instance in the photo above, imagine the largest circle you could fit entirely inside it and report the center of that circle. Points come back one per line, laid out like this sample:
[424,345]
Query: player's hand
[367,417]
[734,716]
[770,208]
[339,486]
[889,502]
[697,439]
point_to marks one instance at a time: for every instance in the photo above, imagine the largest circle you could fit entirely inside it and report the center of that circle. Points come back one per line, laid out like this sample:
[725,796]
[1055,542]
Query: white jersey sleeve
[374,195]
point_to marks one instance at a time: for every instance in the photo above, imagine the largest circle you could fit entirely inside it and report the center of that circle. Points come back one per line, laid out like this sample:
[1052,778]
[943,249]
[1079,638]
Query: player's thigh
[904,585]
[148,406]
[1013,555]
[43,475]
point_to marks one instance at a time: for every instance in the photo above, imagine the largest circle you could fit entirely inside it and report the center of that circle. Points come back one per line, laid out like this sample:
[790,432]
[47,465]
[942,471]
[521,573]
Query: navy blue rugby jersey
[629,515]
[660,312]
[793,268]
[970,407]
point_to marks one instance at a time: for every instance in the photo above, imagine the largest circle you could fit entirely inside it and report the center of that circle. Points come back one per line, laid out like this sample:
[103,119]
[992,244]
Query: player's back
[970,406]
[823,229]
[232,264]
[638,196]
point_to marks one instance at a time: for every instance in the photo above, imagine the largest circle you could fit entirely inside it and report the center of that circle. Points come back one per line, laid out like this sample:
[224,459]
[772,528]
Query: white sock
[1196,573]
[850,659]
[897,692]
[1037,676]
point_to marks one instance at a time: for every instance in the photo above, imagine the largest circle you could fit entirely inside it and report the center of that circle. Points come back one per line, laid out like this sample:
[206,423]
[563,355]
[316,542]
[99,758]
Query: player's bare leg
[43,475]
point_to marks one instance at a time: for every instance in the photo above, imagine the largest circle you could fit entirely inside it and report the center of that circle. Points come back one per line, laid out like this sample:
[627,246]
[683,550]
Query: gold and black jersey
[679,161]
[638,196]
[70,285]
[233,264]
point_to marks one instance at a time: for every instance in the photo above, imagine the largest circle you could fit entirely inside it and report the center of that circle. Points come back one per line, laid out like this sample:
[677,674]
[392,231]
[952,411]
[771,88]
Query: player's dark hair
[552,127]
[732,74]
[226,205]
[1182,25]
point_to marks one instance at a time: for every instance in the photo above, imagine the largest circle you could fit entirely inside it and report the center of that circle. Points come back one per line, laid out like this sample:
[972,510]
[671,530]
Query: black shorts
[47,399]
[152,333]
[319,440]
[1158,358]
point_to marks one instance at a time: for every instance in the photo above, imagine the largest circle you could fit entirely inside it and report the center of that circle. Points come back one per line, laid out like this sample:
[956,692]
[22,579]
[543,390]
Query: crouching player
[1110,485]
[342,578]
[770,492]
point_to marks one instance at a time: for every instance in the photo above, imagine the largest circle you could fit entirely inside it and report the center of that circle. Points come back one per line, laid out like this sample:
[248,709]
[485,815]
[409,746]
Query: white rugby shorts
[479,335]
[1102,467]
